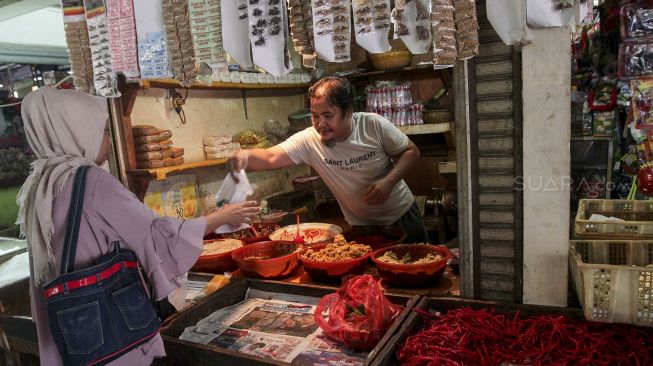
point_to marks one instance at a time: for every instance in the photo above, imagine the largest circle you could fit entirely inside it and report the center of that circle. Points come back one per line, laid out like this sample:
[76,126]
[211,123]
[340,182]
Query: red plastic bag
[358,314]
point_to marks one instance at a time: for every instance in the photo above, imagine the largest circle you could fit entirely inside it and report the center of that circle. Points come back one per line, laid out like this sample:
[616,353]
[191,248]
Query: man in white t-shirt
[362,158]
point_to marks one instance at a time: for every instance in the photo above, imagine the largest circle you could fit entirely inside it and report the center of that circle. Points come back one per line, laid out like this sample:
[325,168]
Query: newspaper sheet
[269,327]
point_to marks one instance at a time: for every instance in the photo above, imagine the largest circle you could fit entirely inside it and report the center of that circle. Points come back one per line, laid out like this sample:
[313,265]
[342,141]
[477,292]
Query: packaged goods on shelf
[394,101]
[222,147]
[161,135]
[216,140]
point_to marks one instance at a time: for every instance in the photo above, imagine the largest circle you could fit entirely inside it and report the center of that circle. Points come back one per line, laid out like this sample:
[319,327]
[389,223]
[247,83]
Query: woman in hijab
[66,130]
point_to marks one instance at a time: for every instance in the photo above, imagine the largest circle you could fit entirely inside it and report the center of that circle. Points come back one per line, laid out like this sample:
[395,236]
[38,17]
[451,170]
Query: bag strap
[74,218]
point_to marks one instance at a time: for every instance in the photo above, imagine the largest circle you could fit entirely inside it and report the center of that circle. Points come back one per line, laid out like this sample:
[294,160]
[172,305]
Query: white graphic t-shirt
[349,167]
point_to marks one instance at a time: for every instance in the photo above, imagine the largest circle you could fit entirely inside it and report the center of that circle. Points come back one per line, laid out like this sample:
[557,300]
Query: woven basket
[390,60]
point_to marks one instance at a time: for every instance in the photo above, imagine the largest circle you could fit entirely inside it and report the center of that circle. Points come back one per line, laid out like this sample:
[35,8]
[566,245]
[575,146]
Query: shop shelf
[216,85]
[425,128]
[162,173]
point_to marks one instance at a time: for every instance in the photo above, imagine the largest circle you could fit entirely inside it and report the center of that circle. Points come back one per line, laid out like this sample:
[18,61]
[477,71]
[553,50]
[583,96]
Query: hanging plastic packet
[443,28]
[104,78]
[74,21]
[152,45]
[122,37]
[332,29]
[231,192]
[636,21]
[372,24]
[413,24]
[180,41]
[508,18]
[268,25]
[236,25]
[642,94]
[636,59]
[206,29]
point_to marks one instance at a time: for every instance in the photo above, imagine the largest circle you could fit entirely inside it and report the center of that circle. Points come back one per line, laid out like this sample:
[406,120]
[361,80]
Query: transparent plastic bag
[232,192]
[358,314]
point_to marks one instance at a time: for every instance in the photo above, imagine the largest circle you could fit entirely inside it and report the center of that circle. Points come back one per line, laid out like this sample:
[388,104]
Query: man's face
[333,124]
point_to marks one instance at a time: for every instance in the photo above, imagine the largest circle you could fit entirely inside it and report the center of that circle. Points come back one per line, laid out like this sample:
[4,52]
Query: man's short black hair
[336,89]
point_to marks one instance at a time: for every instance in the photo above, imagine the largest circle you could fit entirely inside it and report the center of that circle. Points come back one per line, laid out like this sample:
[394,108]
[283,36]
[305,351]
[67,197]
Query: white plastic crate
[614,280]
[638,215]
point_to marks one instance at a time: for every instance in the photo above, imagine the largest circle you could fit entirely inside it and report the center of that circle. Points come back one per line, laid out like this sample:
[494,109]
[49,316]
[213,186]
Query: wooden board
[182,352]
[217,85]
[414,320]
[426,128]
[161,173]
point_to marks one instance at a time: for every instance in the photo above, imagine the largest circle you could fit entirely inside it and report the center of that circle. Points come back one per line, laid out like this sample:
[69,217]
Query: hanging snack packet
[372,24]
[74,22]
[413,24]
[332,29]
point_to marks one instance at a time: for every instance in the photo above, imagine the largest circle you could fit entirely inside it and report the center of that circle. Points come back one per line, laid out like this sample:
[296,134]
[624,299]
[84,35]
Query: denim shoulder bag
[99,313]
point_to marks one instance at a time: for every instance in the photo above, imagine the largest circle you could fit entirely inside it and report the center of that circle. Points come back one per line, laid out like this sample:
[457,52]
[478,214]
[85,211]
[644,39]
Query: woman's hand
[378,192]
[232,214]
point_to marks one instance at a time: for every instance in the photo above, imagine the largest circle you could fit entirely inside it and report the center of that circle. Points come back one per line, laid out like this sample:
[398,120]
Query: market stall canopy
[32,32]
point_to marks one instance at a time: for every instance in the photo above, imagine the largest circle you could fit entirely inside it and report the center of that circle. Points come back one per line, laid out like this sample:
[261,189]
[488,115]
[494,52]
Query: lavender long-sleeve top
[166,248]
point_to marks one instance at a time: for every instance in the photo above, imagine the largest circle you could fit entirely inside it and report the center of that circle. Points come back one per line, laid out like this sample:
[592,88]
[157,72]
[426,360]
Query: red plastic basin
[215,263]
[331,271]
[412,275]
[249,236]
[279,259]
[376,236]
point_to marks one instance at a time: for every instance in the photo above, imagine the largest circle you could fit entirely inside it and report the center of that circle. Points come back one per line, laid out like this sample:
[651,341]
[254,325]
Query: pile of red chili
[485,337]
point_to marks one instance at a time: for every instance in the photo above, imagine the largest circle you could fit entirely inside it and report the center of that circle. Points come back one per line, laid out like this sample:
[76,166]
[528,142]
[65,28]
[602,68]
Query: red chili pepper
[483,337]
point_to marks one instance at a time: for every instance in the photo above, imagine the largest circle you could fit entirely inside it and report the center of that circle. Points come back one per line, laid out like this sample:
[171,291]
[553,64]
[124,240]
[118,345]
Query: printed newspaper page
[270,328]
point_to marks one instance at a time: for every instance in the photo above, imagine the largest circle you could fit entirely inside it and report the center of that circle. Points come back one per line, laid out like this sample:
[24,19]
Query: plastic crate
[638,216]
[613,281]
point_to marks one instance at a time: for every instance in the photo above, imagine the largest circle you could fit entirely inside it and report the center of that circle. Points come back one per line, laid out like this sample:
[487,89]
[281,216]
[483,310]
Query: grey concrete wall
[546,94]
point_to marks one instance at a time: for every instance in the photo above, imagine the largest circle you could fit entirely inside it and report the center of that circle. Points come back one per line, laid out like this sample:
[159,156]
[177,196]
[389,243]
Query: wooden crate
[388,356]
[182,352]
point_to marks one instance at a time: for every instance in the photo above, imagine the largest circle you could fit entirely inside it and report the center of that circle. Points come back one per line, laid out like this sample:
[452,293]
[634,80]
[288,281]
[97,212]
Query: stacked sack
[219,147]
[154,148]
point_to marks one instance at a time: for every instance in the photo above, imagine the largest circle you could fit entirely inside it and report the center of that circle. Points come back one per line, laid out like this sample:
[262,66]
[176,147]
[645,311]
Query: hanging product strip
[122,37]
[152,45]
[206,28]
[180,41]
[235,23]
[104,77]
[413,24]
[268,25]
[301,28]
[74,19]
[466,28]
[332,29]
[372,24]
[443,28]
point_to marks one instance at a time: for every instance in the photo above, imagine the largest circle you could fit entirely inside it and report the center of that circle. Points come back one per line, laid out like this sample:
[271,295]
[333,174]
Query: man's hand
[378,192]
[236,163]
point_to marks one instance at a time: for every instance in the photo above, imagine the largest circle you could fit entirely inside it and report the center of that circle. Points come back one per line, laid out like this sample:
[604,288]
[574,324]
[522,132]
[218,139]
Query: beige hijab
[64,129]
